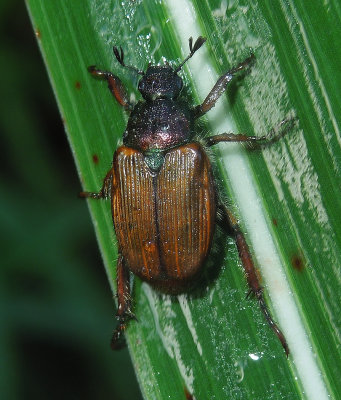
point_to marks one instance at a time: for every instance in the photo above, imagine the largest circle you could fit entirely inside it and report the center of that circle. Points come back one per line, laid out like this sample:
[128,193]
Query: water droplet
[240,371]
[254,357]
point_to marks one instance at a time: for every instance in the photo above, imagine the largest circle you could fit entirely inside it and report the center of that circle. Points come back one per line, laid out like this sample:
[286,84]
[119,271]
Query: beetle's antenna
[198,43]
[120,56]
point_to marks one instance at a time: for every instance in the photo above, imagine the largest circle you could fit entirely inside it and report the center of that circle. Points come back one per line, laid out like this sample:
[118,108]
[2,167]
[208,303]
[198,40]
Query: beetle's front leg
[219,88]
[230,222]
[124,313]
[105,192]
[115,86]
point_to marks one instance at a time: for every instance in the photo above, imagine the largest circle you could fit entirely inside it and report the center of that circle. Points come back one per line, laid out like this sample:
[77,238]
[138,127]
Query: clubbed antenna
[120,56]
[198,43]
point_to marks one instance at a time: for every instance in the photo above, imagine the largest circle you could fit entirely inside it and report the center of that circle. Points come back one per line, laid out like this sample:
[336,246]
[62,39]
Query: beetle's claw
[118,340]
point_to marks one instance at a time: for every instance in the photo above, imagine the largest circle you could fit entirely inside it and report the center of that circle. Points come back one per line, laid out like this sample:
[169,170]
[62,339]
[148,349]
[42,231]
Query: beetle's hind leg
[124,313]
[229,222]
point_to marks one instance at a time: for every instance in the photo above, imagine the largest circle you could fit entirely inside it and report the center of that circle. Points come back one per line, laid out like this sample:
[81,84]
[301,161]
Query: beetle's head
[160,82]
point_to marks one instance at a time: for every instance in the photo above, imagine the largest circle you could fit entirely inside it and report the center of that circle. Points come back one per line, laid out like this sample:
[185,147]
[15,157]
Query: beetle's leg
[256,289]
[124,313]
[219,88]
[115,86]
[104,193]
[255,141]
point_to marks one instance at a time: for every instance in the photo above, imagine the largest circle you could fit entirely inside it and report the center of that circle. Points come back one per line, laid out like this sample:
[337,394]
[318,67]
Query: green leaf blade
[217,345]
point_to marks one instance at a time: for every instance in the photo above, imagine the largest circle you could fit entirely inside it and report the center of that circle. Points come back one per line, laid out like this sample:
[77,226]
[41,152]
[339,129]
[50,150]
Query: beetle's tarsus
[266,312]
[275,134]
[127,315]
[248,62]
[118,340]
[124,313]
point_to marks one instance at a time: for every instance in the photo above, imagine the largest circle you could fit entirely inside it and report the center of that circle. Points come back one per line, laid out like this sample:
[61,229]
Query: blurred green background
[57,311]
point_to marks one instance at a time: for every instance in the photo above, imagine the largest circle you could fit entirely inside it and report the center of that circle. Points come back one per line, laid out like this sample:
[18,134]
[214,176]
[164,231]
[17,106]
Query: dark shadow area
[57,312]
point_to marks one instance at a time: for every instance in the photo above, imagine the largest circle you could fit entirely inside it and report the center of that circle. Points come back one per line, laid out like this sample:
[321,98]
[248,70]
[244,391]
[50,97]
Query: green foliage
[216,344]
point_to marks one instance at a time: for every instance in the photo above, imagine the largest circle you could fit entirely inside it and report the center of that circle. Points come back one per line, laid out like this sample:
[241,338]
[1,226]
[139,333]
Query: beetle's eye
[178,83]
[141,85]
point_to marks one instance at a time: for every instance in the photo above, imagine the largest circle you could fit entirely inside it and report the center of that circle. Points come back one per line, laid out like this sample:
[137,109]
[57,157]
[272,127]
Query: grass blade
[217,345]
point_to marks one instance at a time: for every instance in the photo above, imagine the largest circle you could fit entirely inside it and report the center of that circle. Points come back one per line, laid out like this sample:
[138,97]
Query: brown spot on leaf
[297,262]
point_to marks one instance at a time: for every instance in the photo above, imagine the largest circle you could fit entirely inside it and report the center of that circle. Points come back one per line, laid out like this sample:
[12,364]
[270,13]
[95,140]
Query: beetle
[163,197]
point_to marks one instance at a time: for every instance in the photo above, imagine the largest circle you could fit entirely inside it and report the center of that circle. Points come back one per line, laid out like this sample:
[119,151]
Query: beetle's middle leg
[229,223]
[255,141]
